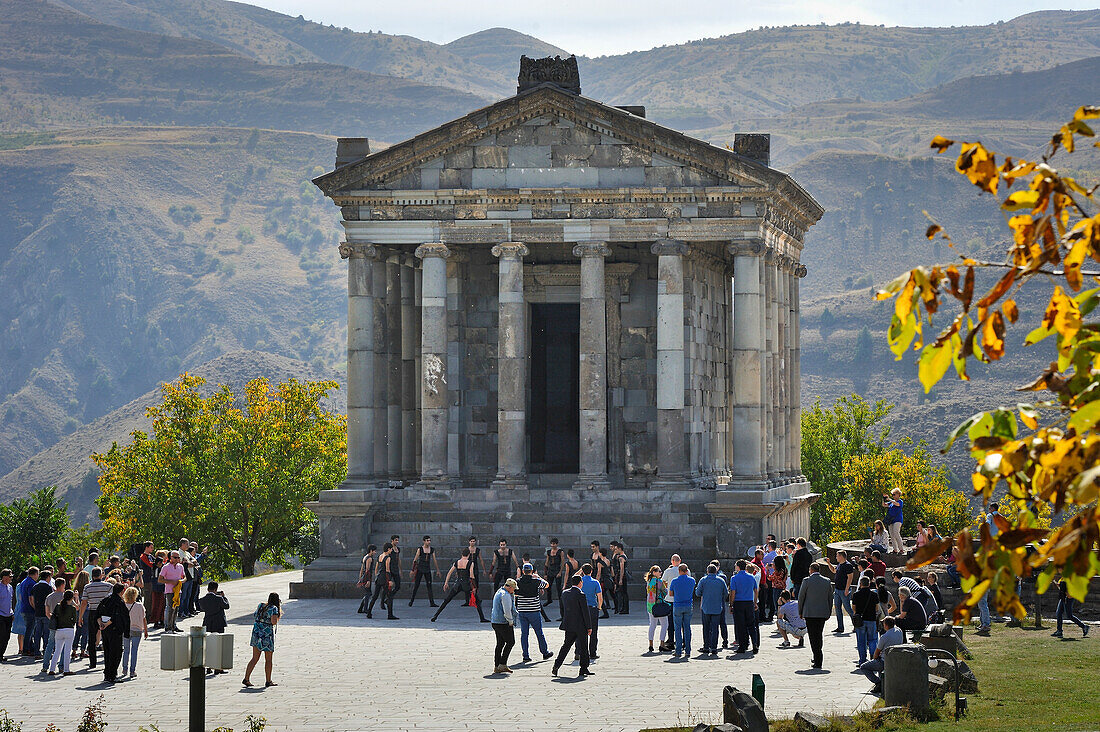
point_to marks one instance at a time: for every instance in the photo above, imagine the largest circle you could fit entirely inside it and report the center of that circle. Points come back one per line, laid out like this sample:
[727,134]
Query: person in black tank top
[551,569]
[383,582]
[476,565]
[422,570]
[501,566]
[366,576]
[461,572]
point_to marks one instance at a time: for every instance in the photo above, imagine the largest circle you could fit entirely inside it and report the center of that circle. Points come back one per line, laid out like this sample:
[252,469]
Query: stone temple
[567,320]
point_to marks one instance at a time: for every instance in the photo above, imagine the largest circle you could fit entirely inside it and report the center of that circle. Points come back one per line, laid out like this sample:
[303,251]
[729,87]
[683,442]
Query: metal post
[197,711]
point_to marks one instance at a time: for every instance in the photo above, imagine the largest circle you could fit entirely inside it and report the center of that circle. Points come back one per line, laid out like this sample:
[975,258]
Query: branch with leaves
[1054,460]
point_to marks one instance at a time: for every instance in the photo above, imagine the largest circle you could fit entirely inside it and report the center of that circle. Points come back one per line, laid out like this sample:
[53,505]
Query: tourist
[712,592]
[593,594]
[933,584]
[421,571]
[891,636]
[264,620]
[682,592]
[885,599]
[42,589]
[157,595]
[213,606]
[877,565]
[60,587]
[671,572]
[778,580]
[462,571]
[529,606]
[984,619]
[844,574]
[622,597]
[502,565]
[94,593]
[93,562]
[893,505]
[994,519]
[865,603]
[880,538]
[113,620]
[64,622]
[922,535]
[195,585]
[788,621]
[815,605]
[19,618]
[172,575]
[576,621]
[655,591]
[139,628]
[147,563]
[180,592]
[1065,610]
[918,592]
[504,620]
[800,563]
[7,610]
[767,597]
[366,576]
[723,627]
[552,570]
[384,582]
[743,597]
[912,616]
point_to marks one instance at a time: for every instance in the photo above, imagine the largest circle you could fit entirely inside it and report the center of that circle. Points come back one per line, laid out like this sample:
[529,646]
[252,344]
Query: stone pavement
[339,671]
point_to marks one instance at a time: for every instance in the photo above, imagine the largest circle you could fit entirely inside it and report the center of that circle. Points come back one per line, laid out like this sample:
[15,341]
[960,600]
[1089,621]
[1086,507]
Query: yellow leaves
[978,165]
[933,364]
[1011,312]
[1085,417]
[940,144]
[993,335]
[932,230]
[1021,200]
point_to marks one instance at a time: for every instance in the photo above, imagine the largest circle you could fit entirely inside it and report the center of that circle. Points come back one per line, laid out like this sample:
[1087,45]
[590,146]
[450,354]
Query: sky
[600,27]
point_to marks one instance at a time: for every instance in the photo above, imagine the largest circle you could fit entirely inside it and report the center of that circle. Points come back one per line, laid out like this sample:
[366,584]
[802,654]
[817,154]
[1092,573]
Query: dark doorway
[554,426]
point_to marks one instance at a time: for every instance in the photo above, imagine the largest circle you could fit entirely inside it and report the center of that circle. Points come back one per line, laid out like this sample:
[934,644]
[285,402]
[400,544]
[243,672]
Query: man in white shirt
[670,574]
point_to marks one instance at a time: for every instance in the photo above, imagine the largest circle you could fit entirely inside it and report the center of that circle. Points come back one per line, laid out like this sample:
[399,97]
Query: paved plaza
[339,671]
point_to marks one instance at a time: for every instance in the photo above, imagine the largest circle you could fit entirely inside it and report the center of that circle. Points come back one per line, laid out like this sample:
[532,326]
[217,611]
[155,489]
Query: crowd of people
[61,616]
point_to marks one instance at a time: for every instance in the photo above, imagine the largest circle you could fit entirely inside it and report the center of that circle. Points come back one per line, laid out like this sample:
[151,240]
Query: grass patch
[1028,681]
[20,140]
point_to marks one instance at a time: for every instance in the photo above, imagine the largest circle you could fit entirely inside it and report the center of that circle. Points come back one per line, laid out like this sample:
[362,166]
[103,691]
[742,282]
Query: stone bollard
[905,680]
[742,710]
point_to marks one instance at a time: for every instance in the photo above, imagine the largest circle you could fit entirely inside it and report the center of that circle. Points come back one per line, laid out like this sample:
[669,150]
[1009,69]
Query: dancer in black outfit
[366,576]
[551,569]
[503,565]
[462,572]
[422,570]
[383,582]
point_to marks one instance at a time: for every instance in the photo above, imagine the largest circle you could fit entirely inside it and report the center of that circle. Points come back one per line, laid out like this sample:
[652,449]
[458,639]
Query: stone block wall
[706,313]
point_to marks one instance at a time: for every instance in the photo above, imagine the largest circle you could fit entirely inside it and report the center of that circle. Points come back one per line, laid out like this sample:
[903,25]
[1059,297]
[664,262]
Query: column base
[511,484]
[442,482]
[671,483]
[591,482]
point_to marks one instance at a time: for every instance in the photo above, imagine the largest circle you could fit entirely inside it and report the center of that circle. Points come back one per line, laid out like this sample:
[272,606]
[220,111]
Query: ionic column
[511,368]
[796,369]
[410,329]
[771,395]
[381,372]
[360,360]
[783,410]
[393,373]
[748,362]
[593,366]
[671,452]
[433,357]
[417,361]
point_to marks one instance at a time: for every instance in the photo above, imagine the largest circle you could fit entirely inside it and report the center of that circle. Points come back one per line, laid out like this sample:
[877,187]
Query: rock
[968,681]
[743,710]
[905,680]
[704,727]
[940,630]
[937,686]
[810,722]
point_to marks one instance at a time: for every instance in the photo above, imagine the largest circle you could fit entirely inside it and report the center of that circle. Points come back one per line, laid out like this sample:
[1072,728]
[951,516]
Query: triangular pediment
[548,138]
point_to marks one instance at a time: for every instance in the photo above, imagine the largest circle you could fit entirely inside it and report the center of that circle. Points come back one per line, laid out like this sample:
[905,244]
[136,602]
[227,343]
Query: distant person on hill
[893,505]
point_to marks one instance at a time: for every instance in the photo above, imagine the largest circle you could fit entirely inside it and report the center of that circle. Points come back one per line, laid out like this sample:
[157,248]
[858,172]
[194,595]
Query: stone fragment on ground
[743,710]
[810,722]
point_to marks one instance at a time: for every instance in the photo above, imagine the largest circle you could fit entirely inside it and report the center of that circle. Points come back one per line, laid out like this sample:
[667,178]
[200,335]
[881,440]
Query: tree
[852,426]
[228,477]
[925,488]
[826,324]
[31,529]
[1055,459]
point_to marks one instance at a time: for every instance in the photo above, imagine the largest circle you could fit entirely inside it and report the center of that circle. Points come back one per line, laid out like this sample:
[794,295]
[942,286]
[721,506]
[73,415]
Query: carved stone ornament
[561,72]
[666,247]
[350,250]
[785,263]
[800,271]
[432,249]
[591,249]
[512,249]
[770,255]
[746,248]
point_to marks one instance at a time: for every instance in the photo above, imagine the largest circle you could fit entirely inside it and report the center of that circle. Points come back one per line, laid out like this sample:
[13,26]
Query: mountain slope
[499,49]
[67,464]
[62,69]
[275,38]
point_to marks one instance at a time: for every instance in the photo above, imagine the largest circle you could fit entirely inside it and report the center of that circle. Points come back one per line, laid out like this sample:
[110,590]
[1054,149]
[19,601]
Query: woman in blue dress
[264,621]
[19,622]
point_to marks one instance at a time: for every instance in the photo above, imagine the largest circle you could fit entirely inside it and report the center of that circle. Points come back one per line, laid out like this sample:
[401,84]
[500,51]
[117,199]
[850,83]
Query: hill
[61,69]
[68,466]
[275,38]
[499,49]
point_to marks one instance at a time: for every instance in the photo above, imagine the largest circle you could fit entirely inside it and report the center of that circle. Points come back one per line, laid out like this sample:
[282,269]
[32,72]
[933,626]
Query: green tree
[31,529]
[233,478]
[827,324]
[1055,459]
[852,426]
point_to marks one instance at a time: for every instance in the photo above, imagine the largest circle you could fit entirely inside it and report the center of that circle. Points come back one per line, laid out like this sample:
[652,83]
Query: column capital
[746,248]
[591,248]
[355,250]
[669,247]
[786,263]
[770,255]
[432,249]
[800,271]
[510,249]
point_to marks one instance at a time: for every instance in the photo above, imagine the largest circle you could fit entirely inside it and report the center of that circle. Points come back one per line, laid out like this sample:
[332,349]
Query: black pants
[815,627]
[723,628]
[499,577]
[608,599]
[381,588]
[506,640]
[5,633]
[553,580]
[94,635]
[455,592]
[427,578]
[745,627]
[573,639]
[112,653]
[622,600]
[593,639]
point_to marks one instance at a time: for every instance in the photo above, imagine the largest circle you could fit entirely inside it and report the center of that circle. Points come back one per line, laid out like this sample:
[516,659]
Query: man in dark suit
[113,620]
[213,606]
[576,621]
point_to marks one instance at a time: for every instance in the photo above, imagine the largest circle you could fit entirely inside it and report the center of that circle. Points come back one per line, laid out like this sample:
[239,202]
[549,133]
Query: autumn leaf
[932,230]
[940,144]
[993,336]
[1016,538]
[928,553]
